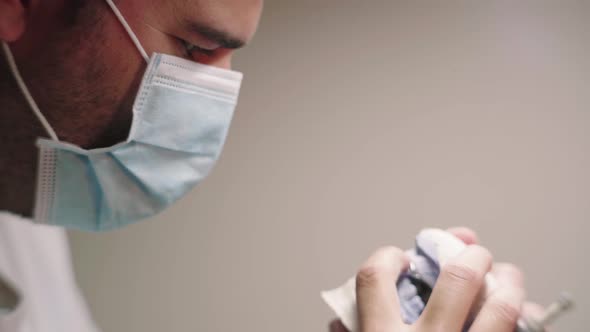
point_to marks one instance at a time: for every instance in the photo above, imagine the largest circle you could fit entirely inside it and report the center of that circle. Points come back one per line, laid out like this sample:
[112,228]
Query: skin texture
[452,298]
[83,70]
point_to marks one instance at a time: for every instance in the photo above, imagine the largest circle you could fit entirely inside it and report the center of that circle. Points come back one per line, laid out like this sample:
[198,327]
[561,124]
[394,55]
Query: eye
[194,50]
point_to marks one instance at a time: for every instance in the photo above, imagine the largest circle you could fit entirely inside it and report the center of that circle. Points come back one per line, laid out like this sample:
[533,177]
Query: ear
[12,19]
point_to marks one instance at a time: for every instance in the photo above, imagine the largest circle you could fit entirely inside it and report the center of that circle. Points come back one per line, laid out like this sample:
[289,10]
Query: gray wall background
[361,122]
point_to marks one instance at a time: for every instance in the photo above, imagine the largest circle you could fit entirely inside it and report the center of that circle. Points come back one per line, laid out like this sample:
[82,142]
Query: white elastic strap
[128,29]
[26,93]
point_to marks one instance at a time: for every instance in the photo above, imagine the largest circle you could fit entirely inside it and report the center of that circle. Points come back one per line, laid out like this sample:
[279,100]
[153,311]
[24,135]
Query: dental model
[434,247]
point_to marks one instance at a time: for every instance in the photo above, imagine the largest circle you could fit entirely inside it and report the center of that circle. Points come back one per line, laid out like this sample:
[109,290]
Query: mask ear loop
[27,94]
[25,91]
[129,31]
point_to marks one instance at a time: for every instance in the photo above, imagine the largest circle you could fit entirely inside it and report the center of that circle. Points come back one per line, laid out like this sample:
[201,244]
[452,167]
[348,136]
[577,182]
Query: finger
[500,312]
[464,234]
[533,310]
[508,275]
[377,299]
[337,326]
[456,289]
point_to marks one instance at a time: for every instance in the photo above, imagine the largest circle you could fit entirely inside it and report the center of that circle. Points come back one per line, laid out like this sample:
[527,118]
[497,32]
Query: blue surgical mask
[181,117]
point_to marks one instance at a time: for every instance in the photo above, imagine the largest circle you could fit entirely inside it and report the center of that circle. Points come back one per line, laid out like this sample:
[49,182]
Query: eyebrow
[224,39]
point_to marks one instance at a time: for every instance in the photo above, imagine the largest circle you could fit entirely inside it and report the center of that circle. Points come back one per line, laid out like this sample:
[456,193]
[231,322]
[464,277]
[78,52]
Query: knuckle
[461,274]
[369,275]
[483,252]
[383,264]
[397,258]
[505,312]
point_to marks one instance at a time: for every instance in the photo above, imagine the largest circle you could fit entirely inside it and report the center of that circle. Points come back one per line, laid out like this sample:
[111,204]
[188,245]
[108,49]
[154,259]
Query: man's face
[216,27]
[84,71]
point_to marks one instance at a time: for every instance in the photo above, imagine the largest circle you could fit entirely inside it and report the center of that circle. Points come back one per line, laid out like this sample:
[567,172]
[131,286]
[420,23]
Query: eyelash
[190,48]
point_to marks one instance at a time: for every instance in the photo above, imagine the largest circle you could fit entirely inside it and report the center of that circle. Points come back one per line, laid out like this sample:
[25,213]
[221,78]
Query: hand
[507,275]
[452,299]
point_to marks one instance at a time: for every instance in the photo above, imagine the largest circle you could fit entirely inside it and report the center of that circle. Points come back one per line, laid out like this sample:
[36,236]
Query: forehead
[236,17]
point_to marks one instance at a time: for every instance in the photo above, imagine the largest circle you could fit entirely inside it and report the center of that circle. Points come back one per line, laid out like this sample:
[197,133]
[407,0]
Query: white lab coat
[35,261]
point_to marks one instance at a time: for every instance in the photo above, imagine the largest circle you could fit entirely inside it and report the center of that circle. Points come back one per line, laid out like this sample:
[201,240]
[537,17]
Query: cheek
[122,62]
[147,27]
[106,77]
[155,41]
[121,59]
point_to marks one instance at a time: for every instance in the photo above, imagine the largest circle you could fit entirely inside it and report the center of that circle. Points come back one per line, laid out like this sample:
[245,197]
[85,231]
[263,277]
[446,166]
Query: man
[72,70]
